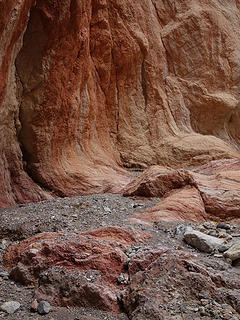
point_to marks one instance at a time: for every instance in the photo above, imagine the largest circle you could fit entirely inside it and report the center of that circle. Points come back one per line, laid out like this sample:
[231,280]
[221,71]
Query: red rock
[126,236]
[110,84]
[218,166]
[42,251]
[219,185]
[34,306]
[74,269]
[62,286]
[212,191]
[179,205]
[157,181]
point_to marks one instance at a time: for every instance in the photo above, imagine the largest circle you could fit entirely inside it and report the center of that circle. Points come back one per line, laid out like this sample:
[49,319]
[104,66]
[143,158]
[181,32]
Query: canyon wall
[88,87]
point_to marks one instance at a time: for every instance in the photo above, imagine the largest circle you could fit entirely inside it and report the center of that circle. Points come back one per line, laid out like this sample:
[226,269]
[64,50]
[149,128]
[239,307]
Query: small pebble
[202,311]
[204,302]
[4,244]
[224,247]
[121,279]
[208,225]
[212,233]
[4,275]
[10,306]
[34,305]
[203,294]
[223,225]
[43,307]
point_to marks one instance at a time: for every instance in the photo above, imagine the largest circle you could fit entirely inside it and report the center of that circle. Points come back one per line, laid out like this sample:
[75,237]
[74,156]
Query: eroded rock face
[157,181]
[111,83]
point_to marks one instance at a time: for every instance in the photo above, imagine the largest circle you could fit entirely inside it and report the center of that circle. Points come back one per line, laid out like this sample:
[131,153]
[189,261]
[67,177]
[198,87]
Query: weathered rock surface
[171,284]
[178,205]
[122,235]
[102,271]
[111,83]
[210,190]
[202,241]
[157,181]
[220,187]
[233,252]
[10,306]
[74,269]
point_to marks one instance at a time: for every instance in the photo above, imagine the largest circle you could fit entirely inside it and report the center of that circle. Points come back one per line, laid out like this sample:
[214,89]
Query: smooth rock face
[202,241]
[111,83]
[157,181]
[183,204]
[219,185]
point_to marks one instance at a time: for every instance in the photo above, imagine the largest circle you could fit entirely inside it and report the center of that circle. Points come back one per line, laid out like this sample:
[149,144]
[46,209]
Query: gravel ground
[75,214]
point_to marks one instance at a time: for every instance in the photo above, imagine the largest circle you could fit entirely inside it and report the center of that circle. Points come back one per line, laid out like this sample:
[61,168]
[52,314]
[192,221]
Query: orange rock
[211,191]
[157,181]
[184,204]
[219,186]
[109,84]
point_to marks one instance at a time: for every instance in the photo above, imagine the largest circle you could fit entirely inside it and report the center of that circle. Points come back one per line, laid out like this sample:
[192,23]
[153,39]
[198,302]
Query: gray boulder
[202,241]
[233,252]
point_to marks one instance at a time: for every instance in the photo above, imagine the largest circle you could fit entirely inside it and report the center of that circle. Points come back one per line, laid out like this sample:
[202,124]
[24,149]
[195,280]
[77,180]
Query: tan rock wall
[87,86]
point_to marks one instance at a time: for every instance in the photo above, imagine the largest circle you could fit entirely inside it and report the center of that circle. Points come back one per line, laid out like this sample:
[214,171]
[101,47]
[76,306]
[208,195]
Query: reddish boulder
[157,181]
[212,189]
[65,287]
[178,205]
[125,236]
[219,185]
[69,266]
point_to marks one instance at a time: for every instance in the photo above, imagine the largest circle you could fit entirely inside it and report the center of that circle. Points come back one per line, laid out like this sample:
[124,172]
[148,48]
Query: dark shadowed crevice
[30,76]
[30,69]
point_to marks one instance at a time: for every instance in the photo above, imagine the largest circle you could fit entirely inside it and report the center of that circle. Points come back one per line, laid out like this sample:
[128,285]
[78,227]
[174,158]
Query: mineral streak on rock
[89,86]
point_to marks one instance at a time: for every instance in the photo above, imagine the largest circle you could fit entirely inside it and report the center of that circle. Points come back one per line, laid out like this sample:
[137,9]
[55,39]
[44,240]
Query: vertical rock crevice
[30,72]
